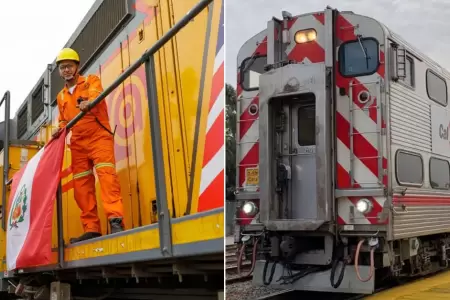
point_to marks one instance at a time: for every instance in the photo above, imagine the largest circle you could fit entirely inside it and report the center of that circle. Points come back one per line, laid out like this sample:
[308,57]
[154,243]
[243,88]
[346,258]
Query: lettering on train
[443,131]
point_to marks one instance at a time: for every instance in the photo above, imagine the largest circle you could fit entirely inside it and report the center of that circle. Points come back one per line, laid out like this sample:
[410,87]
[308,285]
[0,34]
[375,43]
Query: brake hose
[340,253]
[241,253]
[333,272]
[372,262]
[272,272]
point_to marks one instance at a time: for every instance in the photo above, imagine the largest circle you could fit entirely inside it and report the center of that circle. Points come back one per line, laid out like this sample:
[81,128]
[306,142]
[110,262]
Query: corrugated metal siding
[98,31]
[22,122]
[421,220]
[410,119]
[37,103]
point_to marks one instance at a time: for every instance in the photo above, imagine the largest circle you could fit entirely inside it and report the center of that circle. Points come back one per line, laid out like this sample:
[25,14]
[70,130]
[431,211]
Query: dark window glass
[436,88]
[354,61]
[409,168]
[439,173]
[307,125]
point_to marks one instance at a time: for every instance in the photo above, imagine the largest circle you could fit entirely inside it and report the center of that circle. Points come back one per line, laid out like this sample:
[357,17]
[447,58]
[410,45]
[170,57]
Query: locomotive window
[307,125]
[436,88]
[439,173]
[409,168]
[358,58]
[251,69]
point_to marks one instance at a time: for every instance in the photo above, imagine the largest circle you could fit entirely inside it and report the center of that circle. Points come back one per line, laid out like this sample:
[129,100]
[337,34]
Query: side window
[436,88]
[358,58]
[409,168]
[409,70]
[250,69]
[439,173]
[307,125]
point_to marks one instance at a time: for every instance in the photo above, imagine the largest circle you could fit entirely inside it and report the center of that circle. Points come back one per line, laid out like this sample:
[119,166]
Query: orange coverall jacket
[92,146]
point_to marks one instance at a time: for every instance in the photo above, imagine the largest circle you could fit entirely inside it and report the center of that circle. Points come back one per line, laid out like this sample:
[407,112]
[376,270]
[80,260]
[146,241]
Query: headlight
[249,208]
[364,205]
[304,36]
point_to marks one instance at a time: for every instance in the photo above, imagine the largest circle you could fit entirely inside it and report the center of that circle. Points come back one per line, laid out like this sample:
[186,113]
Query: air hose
[241,253]
[340,257]
[372,243]
[333,272]
[272,271]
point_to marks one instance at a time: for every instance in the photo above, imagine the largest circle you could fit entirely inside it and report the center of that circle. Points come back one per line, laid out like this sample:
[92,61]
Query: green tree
[230,135]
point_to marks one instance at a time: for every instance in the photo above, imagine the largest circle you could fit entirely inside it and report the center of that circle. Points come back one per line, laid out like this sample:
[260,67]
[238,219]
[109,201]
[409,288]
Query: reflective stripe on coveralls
[91,145]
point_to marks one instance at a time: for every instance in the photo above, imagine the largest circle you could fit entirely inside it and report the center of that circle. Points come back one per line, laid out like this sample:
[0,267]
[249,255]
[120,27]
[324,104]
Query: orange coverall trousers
[92,147]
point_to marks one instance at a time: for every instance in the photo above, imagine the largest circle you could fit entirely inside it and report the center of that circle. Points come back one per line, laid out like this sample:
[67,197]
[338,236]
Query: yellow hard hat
[67,54]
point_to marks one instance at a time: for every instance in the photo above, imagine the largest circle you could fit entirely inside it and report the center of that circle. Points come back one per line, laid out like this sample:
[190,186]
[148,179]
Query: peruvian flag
[31,203]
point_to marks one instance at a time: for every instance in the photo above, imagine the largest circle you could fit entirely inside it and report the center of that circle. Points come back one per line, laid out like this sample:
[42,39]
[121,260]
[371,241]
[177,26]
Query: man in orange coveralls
[91,145]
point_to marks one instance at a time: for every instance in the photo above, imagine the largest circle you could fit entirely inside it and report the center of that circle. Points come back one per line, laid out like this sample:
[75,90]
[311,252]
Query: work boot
[116,225]
[85,236]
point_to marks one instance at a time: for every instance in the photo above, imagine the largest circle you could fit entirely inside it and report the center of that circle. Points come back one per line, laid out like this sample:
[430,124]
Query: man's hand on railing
[83,105]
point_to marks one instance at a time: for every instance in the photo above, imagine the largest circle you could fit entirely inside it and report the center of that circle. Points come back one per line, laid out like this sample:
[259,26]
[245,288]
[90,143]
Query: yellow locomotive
[161,64]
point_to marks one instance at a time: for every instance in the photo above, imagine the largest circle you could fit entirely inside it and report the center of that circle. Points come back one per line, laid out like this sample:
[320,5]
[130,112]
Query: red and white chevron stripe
[213,180]
[364,125]
[248,152]
[365,170]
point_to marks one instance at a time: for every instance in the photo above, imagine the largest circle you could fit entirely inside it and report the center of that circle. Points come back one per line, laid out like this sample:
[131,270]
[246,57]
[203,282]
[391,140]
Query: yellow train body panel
[184,68]
[184,232]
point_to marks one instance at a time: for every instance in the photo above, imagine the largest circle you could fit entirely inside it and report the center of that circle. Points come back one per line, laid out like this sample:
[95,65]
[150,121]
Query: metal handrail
[7,99]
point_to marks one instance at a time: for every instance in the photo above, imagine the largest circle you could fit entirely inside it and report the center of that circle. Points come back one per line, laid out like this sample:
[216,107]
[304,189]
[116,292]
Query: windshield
[358,58]
[252,68]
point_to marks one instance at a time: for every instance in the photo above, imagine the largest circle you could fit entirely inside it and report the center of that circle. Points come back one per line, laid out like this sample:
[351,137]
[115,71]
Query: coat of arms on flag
[18,208]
